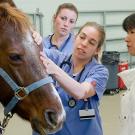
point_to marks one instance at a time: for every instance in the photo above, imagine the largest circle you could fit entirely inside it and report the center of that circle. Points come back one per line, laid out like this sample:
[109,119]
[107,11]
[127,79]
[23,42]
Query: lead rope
[4,123]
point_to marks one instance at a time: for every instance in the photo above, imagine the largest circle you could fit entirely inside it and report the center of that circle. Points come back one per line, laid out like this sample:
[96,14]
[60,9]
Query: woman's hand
[37,38]
[50,66]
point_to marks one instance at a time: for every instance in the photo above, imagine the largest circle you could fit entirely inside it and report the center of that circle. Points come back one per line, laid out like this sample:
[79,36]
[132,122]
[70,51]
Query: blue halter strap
[20,92]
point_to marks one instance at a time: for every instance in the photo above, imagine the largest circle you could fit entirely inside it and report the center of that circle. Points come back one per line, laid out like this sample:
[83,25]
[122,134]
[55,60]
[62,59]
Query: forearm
[74,88]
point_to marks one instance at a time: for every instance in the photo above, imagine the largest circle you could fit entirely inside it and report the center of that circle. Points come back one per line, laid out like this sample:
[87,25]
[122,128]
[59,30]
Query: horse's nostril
[51,118]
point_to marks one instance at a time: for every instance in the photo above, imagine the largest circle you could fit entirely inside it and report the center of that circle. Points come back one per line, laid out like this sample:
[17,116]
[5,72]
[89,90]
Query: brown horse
[19,61]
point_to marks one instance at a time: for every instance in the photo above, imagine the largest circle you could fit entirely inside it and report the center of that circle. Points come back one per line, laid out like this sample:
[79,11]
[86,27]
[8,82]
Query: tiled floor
[110,110]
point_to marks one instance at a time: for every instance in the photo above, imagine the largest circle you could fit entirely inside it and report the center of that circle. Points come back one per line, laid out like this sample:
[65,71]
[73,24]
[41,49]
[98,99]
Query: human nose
[66,23]
[85,43]
[127,38]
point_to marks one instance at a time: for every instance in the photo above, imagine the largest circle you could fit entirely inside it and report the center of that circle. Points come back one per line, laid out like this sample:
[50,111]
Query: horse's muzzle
[54,120]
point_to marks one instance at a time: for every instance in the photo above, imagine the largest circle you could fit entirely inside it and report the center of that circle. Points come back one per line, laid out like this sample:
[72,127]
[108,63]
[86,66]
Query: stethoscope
[71,101]
[66,62]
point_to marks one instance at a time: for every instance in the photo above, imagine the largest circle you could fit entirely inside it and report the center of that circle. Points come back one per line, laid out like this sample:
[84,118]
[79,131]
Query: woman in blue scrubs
[63,23]
[80,80]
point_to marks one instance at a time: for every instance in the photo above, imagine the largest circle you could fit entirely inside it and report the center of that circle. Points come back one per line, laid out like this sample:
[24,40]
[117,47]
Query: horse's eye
[15,57]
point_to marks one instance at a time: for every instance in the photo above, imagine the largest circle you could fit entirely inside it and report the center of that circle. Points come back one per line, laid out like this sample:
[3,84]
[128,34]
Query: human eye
[64,18]
[132,32]
[82,37]
[72,21]
[92,42]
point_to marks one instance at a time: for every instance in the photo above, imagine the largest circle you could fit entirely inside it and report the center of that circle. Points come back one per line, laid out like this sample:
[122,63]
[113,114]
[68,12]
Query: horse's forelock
[8,1]
[14,17]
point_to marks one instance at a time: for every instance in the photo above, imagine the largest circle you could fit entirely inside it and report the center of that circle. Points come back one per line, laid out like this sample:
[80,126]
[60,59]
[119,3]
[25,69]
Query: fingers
[47,64]
[43,54]
[37,38]
[44,59]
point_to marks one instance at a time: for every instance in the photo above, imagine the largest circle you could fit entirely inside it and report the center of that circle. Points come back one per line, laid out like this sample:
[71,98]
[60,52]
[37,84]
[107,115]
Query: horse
[25,87]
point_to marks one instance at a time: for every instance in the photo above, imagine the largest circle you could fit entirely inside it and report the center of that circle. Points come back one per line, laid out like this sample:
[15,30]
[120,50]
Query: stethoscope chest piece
[72,102]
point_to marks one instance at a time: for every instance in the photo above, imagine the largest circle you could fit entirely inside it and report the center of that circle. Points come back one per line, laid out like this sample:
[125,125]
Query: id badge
[86,114]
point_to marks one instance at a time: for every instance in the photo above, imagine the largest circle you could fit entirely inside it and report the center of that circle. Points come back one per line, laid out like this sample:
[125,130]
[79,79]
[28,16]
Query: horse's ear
[8,1]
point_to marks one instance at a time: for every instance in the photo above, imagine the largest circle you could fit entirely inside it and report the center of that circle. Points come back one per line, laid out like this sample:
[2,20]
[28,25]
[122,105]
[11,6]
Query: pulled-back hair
[69,6]
[99,28]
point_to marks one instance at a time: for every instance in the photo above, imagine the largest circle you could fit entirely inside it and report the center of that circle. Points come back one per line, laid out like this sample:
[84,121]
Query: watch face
[72,102]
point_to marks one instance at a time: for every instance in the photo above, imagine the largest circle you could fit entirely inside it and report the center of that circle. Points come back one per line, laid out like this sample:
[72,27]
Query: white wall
[48,7]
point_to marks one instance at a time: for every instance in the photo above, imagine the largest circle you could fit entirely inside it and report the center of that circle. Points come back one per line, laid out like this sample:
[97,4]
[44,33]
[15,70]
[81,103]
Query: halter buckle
[21,93]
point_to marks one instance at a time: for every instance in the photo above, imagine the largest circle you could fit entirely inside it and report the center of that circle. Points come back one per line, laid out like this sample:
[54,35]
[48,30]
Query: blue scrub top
[66,47]
[93,72]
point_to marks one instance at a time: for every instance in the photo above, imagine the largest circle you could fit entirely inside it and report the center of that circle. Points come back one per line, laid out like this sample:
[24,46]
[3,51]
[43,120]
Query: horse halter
[19,94]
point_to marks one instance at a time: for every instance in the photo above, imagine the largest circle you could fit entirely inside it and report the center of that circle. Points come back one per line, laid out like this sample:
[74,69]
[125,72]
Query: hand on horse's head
[50,66]
[37,37]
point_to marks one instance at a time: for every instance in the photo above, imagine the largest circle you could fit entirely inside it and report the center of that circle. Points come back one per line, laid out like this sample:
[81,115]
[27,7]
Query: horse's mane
[15,17]
[8,1]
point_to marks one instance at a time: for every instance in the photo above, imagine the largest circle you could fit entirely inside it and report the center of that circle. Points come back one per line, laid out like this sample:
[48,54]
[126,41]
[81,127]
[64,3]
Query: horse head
[19,58]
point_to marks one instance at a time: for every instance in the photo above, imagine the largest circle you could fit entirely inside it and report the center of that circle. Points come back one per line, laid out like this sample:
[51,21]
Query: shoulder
[47,38]
[102,71]
[98,66]
[71,37]
[102,68]
[97,70]
[46,41]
